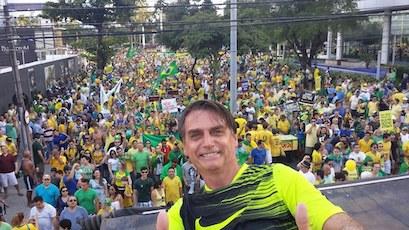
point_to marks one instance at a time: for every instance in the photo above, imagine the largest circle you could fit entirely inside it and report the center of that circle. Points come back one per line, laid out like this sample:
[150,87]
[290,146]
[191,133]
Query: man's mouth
[210,155]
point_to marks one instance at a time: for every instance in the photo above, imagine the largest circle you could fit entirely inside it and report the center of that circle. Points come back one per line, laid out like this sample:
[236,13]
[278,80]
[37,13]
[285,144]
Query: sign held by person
[169,105]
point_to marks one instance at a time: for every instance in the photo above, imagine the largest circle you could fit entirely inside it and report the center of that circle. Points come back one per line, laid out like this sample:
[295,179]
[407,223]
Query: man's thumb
[301,217]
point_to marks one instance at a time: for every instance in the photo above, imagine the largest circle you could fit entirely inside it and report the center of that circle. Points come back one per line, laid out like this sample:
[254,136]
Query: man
[87,197]
[235,195]
[74,213]
[57,160]
[140,159]
[366,142]
[11,147]
[172,185]
[29,177]
[8,171]
[283,125]
[258,155]
[311,136]
[48,191]
[357,155]
[44,214]
[143,188]
[306,172]
[38,156]
[190,177]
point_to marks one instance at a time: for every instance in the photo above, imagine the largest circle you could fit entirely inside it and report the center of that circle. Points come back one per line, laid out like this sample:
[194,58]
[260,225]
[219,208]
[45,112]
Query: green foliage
[252,38]
[91,13]
[307,38]
[366,57]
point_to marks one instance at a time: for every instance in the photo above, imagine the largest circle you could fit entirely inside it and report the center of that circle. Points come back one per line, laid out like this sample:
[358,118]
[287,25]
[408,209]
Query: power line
[107,33]
[171,6]
[178,23]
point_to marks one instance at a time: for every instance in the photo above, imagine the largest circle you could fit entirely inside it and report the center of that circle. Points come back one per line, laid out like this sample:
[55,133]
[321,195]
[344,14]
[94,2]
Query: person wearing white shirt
[305,171]
[404,136]
[44,214]
[357,155]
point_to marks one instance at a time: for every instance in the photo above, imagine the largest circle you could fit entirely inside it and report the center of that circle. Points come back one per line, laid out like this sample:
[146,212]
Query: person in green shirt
[4,226]
[242,154]
[174,164]
[87,197]
[404,166]
[140,158]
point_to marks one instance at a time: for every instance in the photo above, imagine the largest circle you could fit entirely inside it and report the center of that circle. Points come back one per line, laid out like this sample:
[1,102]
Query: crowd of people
[104,141]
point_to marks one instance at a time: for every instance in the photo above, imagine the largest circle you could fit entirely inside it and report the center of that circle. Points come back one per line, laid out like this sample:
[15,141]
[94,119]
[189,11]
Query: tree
[307,38]
[201,39]
[94,13]
[252,38]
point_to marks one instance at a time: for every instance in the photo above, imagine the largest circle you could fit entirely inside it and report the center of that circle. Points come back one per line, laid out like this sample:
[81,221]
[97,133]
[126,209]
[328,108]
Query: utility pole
[24,131]
[233,56]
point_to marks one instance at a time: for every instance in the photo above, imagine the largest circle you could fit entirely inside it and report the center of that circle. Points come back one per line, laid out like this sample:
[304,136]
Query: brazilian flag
[172,70]
[154,139]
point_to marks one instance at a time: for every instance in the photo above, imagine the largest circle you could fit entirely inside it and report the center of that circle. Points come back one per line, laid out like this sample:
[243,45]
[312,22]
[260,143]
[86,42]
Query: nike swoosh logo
[219,225]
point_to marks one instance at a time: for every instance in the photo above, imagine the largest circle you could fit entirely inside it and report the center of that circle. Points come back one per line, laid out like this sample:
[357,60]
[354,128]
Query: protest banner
[386,121]
[169,105]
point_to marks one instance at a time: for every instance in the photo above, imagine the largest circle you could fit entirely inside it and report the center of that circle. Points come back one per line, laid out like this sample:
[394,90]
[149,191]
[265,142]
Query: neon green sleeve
[295,189]
[175,221]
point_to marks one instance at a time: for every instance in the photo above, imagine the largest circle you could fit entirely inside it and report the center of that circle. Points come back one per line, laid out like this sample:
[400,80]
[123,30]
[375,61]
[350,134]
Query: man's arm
[341,221]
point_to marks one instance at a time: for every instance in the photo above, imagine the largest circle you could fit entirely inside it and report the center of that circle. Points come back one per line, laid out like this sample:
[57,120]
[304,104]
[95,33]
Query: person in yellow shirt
[98,155]
[387,150]
[11,147]
[283,125]
[316,157]
[241,129]
[71,152]
[277,150]
[88,145]
[372,106]
[172,186]
[365,143]
[57,160]
[267,137]
[374,154]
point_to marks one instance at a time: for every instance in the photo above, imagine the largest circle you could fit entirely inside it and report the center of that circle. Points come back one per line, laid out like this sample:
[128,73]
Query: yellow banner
[385,118]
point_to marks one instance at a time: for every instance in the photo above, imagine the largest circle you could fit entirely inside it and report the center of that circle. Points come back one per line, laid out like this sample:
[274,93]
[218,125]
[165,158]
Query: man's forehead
[192,121]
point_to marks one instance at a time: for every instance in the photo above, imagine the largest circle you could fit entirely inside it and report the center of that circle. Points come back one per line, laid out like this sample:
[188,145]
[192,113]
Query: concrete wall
[33,77]
[374,4]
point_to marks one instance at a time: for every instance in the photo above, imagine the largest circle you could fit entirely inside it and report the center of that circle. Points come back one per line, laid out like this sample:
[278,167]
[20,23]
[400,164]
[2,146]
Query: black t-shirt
[144,189]
[36,157]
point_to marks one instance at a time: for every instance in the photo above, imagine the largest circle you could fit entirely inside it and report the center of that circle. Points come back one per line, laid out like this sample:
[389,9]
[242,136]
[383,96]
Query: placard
[386,121]
[169,105]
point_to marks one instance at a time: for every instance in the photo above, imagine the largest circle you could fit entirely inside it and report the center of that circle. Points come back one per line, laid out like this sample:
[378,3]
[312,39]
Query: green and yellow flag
[131,53]
[172,70]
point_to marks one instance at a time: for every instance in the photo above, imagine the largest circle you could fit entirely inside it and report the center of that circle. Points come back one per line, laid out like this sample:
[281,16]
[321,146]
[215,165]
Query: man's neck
[216,180]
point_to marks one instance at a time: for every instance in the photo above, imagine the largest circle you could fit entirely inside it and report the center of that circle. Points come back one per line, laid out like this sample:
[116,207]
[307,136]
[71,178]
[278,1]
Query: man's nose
[208,140]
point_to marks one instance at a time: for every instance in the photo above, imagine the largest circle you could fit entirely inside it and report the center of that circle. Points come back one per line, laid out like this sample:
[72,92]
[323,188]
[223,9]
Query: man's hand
[301,217]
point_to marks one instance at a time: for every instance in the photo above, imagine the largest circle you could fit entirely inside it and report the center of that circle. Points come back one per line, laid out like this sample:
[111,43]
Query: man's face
[72,201]
[139,146]
[208,142]
[144,173]
[171,173]
[84,185]
[46,180]
[39,204]
[356,149]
